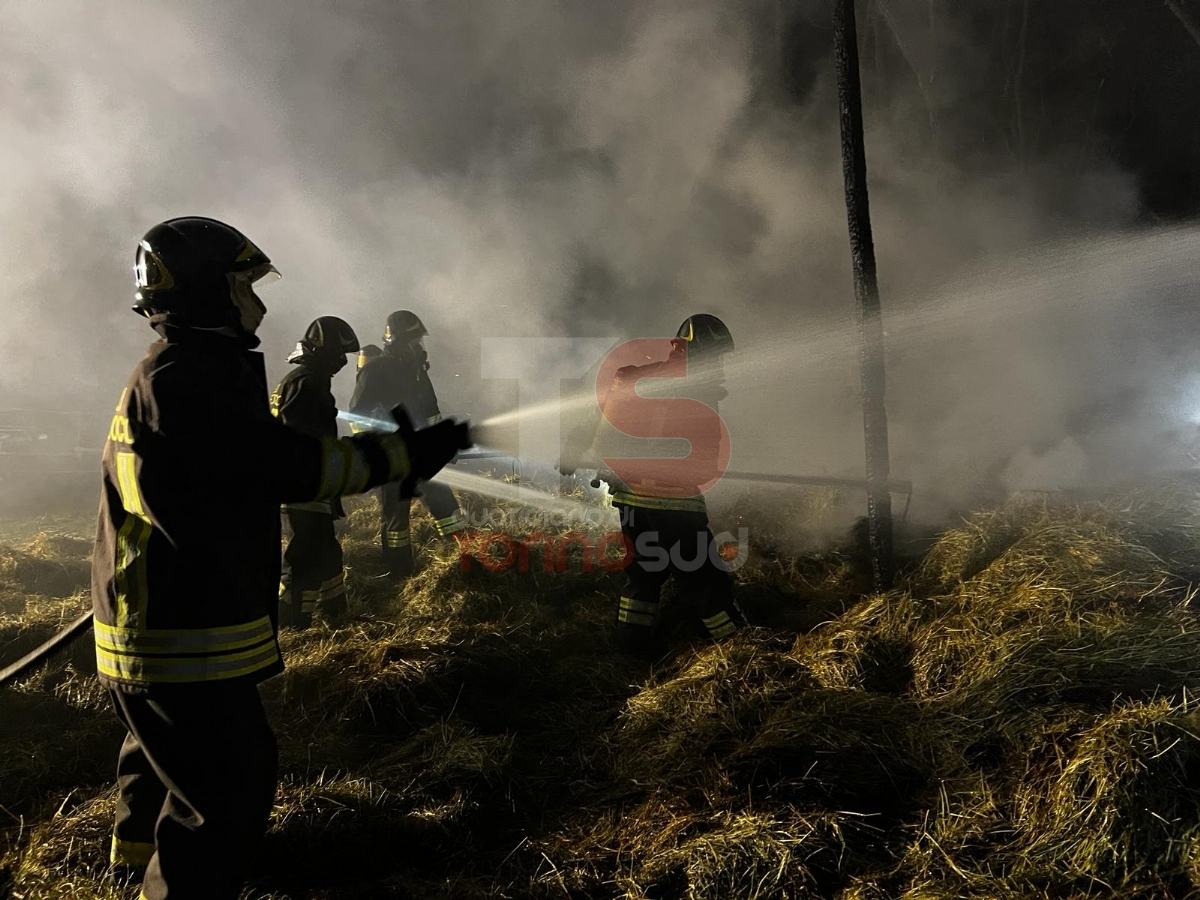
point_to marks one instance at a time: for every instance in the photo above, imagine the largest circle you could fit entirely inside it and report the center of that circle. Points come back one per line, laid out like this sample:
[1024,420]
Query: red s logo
[658,419]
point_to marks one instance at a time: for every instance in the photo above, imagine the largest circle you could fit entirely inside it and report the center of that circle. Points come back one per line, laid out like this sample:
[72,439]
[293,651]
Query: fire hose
[894,485]
[40,654]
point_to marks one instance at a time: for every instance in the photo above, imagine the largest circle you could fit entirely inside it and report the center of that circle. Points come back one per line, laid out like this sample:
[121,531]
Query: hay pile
[1016,720]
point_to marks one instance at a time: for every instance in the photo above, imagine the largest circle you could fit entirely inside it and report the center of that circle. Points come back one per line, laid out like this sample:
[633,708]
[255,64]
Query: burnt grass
[1014,720]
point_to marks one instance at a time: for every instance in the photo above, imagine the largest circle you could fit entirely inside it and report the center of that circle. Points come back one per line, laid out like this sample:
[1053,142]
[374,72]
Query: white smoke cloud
[553,169]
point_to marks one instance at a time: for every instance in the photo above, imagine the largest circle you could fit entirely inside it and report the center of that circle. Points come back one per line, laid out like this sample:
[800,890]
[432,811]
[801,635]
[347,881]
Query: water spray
[367,422]
[478,434]
[515,494]
[544,410]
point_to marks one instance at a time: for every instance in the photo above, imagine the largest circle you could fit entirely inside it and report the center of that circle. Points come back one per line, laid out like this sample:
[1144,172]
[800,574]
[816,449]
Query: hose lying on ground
[40,654]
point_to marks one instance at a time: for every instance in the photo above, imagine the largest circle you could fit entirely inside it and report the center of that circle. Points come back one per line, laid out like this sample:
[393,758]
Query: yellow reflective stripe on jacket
[145,668]
[359,473]
[344,467]
[183,640]
[434,419]
[399,466]
[127,484]
[680,504]
[150,656]
[133,538]
[335,462]
[132,583]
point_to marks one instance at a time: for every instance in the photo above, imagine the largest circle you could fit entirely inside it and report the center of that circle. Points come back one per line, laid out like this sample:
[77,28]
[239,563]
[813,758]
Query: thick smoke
[551,169]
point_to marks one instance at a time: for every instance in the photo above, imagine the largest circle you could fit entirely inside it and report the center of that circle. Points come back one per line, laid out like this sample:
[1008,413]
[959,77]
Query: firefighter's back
[181,547]
[388,381]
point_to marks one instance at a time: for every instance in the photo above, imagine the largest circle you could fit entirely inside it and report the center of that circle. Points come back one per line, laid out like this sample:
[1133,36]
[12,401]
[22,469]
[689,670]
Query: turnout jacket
[303,400]
[391,379]
[637,436]
[185,573]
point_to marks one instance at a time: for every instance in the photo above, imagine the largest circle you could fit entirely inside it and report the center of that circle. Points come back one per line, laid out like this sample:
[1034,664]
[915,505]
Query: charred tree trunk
[866,294]
[1185,19]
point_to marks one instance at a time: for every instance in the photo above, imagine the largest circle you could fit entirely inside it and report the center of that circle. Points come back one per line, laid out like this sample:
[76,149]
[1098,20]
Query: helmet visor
[261,275]
[250,308]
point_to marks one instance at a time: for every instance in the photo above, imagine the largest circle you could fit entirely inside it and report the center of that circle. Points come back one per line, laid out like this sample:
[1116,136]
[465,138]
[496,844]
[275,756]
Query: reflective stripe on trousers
[396,539]
[637,612]
[450,524]
[720,625]
[328,590]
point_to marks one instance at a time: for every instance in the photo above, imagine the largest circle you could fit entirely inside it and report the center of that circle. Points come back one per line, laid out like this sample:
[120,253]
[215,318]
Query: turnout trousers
[679,543]
[394,535]
[196,780]
[312,576]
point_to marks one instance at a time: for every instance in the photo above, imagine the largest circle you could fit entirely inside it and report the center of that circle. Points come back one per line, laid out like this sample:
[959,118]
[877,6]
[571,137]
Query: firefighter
[186,565]
[664,518]
[313,577]
[399,377]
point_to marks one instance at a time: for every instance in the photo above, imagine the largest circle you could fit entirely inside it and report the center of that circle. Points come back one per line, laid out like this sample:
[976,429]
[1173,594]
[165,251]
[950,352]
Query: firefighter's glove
[431,448]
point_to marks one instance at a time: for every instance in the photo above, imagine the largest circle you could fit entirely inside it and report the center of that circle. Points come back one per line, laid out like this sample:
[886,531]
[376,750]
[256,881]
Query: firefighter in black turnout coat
[399,377]
[186,565]
[664,518]
[313,577]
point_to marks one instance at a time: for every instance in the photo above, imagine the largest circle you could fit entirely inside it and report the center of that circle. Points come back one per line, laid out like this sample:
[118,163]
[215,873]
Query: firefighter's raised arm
[225,451]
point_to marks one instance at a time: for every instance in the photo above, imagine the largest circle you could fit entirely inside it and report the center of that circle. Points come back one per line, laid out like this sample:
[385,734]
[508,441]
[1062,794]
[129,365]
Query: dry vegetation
[1016,720]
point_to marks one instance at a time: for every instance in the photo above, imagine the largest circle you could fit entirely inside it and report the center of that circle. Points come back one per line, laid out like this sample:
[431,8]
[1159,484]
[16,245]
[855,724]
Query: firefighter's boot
[398,556]
[637,635]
